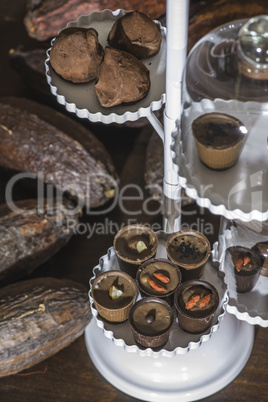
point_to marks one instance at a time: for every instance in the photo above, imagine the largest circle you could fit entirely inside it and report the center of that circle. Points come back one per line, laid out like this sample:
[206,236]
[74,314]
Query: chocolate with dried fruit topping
[158,277]
[113,293]
[196,302]
[246,266]
[126,244]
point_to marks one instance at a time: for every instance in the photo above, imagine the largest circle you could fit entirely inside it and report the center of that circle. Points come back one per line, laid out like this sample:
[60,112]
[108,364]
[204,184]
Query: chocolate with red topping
[247,266]
[196,302]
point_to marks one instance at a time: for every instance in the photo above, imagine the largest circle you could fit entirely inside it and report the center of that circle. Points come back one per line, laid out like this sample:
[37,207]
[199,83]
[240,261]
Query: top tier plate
[81,99]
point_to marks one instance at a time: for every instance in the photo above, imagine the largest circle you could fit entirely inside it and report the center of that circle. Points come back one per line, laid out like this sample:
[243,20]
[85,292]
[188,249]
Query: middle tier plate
[239,192]
[180,342]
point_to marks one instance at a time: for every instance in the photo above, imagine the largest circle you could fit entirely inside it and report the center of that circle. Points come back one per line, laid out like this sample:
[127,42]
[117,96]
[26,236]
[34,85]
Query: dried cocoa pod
[48,16]
[38,318]
[36,139]
[213,13]
[30,65]
[31,234]
[154,169]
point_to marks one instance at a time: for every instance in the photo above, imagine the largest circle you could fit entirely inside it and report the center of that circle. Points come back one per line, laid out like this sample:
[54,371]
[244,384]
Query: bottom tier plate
[180,342]
[189,377]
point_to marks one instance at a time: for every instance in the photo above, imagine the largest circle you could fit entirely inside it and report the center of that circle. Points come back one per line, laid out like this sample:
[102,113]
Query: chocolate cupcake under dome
[221,149]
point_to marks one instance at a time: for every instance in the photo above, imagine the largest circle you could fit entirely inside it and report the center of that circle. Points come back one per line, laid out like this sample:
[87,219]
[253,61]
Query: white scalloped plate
[252,306]
[179,341]
[240,192]
[81,99]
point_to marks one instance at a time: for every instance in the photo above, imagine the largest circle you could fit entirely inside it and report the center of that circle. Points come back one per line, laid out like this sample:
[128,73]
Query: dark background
[70,375]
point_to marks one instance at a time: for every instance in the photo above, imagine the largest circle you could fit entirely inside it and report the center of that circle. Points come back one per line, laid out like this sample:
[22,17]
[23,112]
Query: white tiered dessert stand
[201,365]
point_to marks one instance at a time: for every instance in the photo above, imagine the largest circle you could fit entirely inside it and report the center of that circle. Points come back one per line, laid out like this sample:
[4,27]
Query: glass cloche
[222,150]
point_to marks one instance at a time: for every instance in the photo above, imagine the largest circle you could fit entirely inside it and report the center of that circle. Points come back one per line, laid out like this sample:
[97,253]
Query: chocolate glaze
[218,130]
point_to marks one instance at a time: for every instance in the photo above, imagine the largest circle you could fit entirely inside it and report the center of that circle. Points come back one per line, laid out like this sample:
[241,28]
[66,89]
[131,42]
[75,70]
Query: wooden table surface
[70,375]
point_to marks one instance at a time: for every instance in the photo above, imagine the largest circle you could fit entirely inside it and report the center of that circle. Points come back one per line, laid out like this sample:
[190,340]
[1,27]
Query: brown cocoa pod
[31,233]
[38,318]
[154,170]
[30,65]
[36,139]
[213,13]
[49,16]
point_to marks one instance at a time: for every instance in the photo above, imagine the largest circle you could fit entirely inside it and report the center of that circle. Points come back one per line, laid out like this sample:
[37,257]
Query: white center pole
[177,14]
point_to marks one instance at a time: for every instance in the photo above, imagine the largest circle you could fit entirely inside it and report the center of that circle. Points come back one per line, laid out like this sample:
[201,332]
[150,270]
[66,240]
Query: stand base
[189,377]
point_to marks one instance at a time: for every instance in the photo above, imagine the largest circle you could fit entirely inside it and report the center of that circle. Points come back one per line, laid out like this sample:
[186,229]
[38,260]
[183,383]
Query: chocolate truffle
[133,245]
[122,79]
[151,319]
[247,267]
[190,250]
[158,277]
[76,54]
[196,302]
[113,293]
[261,249]
[219,139]
[137,34]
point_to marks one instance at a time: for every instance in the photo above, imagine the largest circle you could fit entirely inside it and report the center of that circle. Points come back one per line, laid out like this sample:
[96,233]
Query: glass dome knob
[253,48]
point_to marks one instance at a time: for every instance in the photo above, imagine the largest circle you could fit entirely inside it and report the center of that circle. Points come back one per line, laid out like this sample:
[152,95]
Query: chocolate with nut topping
[246,262]
[196,300]
[247,266]
[103,294]
[158,276]
[151,318]
[127,244]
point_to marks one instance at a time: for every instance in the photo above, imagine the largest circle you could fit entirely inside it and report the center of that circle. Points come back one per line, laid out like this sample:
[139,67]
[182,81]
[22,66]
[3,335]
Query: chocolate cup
[148,341]
[168,297]
[261,249]
[188,322]
[218,157]
[114,314]
[245,281]
[126,264]
[189,271]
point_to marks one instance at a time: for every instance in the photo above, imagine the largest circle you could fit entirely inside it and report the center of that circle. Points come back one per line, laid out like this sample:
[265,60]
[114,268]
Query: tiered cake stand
[189,367]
